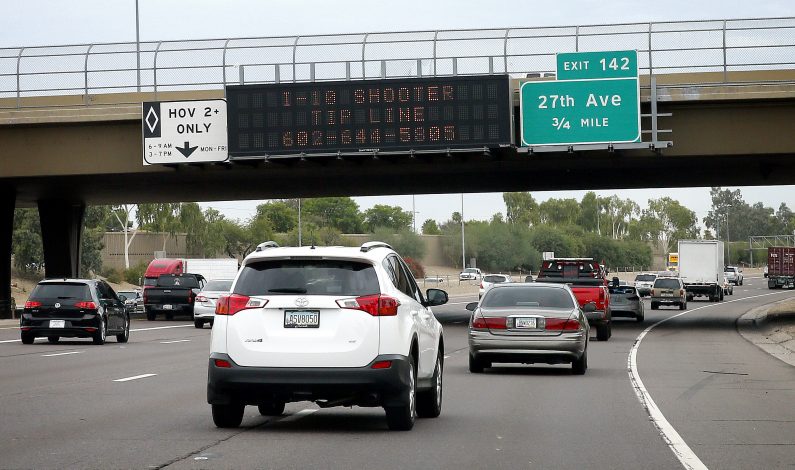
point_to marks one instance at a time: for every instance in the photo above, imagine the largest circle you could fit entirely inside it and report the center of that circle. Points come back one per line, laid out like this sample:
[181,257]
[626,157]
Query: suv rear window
[309,277]
[667,284]
[527,297]
[645,277]
[61,291]
[220,286]
[494,279]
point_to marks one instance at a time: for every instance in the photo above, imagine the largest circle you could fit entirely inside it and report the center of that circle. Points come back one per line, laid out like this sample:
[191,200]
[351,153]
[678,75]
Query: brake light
[480,322]
[382,365]
[223,363]
[377,305]
[561,324]
[32,304]
[86,304]
[231,304]
[681,292]
[481,285]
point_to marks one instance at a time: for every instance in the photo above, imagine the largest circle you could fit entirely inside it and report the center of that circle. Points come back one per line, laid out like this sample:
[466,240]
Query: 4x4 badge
[301,302]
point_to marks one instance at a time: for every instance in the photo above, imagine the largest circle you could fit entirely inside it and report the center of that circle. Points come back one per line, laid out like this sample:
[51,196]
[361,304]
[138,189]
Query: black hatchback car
[80,308]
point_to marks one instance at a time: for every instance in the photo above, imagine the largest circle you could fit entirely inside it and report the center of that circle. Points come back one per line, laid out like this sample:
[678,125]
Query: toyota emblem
[301,302]
[57,305]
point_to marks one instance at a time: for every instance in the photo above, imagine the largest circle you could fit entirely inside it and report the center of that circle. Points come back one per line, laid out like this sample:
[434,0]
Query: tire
[274,408]
[27,338]
[640,318]
[228,416]
[102,332]
[603,332]
[151,315]
[475,366]
[429,404]
[402,417]
[654,306]
[53,339]
[682,305]
[741,282]
[579,366]
[124,336]
[198,324]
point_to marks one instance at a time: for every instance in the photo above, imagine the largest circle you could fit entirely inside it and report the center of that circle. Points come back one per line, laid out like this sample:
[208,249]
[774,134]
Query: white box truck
[211,268]
[701,268]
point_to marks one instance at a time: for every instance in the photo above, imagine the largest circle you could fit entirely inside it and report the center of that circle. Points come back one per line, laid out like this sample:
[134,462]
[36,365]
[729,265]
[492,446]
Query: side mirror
[471,306]
[589,307]
[435,297]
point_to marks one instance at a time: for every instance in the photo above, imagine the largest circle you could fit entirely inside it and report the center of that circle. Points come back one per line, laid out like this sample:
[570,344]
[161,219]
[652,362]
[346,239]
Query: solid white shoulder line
[683,452]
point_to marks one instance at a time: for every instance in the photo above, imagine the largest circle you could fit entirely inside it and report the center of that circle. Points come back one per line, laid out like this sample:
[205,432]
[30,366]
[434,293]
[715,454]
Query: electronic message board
[367,115]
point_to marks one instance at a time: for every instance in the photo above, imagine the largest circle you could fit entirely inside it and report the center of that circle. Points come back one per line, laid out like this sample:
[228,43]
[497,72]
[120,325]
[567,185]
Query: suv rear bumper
[361,385]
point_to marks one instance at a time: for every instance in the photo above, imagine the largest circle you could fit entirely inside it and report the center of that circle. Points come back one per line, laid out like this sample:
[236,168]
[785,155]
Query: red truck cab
[588,280]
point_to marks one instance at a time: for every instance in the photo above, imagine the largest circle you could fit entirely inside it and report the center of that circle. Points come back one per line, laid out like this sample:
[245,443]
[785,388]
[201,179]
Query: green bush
[112,275]
[416,268]
[134,274]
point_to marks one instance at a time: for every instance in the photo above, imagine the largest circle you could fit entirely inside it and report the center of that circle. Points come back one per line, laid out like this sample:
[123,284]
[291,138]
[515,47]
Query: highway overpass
[729,122]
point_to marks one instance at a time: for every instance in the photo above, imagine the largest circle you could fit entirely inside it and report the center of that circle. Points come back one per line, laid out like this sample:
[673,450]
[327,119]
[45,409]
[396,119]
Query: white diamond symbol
[151,116]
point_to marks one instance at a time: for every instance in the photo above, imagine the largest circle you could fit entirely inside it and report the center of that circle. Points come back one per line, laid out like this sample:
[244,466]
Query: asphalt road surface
[142,405]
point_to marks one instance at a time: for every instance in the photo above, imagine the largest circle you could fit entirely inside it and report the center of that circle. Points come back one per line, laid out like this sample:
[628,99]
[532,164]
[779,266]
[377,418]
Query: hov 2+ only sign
[595,99]
[184,132]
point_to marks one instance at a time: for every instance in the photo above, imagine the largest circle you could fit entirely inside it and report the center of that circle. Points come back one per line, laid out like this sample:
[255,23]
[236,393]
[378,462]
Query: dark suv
[74,308]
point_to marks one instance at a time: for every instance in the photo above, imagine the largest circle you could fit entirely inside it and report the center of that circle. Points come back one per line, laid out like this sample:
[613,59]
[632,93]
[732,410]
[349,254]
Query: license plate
[526,323]
[57,323]
[168,307]
[667,294]
[301,319]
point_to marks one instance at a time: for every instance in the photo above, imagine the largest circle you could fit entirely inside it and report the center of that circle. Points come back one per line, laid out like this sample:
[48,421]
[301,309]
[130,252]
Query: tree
[26,244]
[95,222]
[391,217]
[559,211]
[589,212]
[341,213]
[676,221]
[122,215]
[429,227]
[282,215]
[159,218]
[521,208]
[405,242]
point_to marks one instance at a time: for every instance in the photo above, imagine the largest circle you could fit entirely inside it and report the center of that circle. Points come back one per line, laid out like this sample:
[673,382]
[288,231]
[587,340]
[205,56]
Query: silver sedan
[625,301]
[204,307]
[528,323]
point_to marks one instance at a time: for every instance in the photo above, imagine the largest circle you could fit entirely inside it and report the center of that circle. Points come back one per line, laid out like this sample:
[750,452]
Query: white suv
[334,325]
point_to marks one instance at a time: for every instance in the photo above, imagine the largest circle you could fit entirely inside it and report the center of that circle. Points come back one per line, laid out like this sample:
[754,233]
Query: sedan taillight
[479,322]
[562,324]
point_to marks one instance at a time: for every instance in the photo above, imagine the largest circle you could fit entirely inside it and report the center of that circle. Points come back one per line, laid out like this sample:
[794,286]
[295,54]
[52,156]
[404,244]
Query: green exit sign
[591,65]
[595,99]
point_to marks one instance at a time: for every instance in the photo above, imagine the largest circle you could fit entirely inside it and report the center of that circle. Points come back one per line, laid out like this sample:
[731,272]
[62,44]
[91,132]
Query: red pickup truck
[588,280]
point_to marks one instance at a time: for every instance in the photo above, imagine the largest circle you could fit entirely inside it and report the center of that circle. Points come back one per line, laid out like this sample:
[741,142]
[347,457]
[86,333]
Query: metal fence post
[725,68]
[347,70]
[435,35]
[277,74]
[312,72]
[651,68]
[576,39]
[241,74]
[154,67]
[223,62]
[364,46]
[295,47]
[383,69]
[505,50]
[419,67]
[19,59]
[653,84]
[85,75]
[455,65]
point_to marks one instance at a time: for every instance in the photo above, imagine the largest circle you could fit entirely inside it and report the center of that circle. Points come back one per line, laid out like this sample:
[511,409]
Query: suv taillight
[231,304]
[86,304]
[201,298]
[377,305]
[32,304]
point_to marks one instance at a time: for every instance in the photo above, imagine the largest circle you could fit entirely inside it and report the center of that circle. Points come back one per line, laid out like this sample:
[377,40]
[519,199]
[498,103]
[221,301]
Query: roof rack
[267,244]
[367,246]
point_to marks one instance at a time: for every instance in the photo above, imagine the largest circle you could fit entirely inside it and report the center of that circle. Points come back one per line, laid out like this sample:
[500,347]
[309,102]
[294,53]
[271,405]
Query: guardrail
[719,46]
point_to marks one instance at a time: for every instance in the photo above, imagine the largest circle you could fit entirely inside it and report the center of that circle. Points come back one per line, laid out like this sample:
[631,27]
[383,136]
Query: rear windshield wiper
[289,290]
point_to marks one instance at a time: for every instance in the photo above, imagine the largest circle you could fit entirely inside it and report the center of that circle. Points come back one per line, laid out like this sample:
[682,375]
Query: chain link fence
[722,47]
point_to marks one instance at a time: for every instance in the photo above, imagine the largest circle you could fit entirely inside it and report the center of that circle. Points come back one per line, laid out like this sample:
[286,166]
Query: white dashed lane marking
[135,377]
[62,354]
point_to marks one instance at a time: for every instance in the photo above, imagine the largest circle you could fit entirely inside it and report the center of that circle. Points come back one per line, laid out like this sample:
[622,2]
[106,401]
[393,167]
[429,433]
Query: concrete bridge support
[61,232]
[7,202]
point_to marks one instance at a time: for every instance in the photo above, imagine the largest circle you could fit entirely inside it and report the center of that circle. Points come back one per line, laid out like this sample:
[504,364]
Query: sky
[59,22]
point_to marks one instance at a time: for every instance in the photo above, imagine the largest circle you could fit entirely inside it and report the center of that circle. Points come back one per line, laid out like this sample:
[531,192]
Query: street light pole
[463,246]
[413,215]
[137,47]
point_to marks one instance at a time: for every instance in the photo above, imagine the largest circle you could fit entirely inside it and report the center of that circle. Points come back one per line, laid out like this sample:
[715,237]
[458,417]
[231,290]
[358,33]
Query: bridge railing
[677,49]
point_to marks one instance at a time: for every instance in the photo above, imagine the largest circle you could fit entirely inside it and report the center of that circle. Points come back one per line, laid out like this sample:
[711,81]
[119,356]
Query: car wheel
[272,408]
[682,305]
[228,416]
[603,332]
[654,306]
[27,338]
[198,324]
[151,315]
[402,417]
[475,366]
[579,366]
[53,339]
[741,282]
[101,333]
[124,336]
[429,404]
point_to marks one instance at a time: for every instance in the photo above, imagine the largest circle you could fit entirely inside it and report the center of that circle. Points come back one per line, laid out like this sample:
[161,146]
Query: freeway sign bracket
[656,147]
